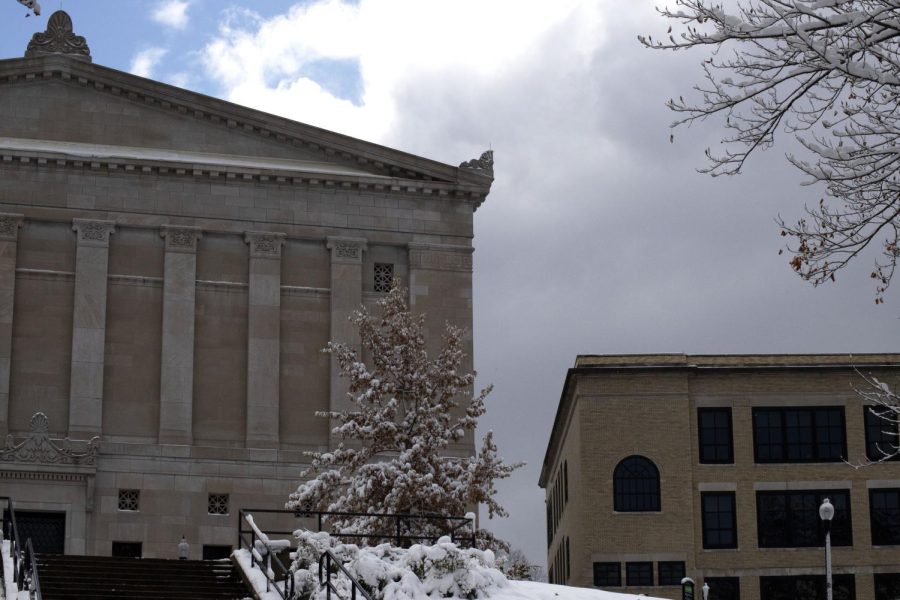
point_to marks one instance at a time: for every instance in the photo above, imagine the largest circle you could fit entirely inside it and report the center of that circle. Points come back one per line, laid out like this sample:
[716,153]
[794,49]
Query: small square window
[670,572]
[129,500]
[639,573]
[607,574]
[127,549]
[384,277]
[217,504]
[215,552]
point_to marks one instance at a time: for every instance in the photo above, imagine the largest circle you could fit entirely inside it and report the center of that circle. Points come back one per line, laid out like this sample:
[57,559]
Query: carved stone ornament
[264,244]
[485,164]
[181,239]
[347,249]
[440,258]
[39,448]
[93,233]
[58,39]
[9,226]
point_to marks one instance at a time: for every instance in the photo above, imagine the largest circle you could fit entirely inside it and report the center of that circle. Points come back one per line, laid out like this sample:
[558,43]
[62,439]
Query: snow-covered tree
[827,72]
[405,414]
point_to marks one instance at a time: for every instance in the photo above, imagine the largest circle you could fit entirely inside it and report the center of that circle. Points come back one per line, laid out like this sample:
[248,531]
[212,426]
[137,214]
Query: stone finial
[484,164]
[58,39]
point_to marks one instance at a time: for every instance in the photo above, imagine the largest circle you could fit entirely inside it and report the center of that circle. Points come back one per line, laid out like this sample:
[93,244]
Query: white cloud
[171,13]
[145,61]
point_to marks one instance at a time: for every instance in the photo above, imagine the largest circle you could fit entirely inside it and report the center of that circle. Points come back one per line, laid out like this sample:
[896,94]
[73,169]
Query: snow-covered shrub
[421,572]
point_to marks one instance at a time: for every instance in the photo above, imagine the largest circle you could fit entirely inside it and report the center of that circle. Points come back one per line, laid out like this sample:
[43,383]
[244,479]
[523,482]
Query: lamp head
[826,510]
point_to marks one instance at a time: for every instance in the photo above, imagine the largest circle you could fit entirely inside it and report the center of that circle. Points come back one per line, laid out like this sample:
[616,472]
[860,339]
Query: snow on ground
[531,590]
[9,587]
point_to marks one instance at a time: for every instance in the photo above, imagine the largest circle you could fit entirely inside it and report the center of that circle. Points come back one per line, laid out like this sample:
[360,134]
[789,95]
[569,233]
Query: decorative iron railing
[329,565]
[25,572]
[402,530]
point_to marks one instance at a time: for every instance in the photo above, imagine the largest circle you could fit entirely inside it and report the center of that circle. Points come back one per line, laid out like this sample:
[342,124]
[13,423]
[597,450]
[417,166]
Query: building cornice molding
[331,146]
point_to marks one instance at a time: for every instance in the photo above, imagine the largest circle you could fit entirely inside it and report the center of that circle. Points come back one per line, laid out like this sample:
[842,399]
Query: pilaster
[9,235]
[346,297]
[177,362]
[263,338]
[89,326]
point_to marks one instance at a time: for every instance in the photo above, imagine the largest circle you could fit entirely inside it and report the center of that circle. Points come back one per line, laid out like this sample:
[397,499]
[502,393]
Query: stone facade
[171,266]
[614,407]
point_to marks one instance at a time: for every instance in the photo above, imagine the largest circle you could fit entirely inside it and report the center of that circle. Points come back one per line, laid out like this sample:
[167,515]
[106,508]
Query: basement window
[384,277]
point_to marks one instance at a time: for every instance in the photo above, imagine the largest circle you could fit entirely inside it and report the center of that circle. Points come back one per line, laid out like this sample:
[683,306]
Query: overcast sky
[598,237]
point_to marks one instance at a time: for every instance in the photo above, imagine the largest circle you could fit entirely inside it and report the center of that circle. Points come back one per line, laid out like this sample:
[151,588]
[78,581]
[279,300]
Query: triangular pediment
[60,98]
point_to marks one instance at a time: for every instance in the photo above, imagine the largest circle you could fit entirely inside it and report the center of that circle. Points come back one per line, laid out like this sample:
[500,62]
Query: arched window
[636,485]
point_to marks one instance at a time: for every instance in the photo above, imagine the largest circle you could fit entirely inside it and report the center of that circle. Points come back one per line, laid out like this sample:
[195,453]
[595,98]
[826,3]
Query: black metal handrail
[24,565]
[327,562]
[405,529]
[269,564]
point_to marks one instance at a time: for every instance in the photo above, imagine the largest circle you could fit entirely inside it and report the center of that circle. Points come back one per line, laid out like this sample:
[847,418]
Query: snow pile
[420,572]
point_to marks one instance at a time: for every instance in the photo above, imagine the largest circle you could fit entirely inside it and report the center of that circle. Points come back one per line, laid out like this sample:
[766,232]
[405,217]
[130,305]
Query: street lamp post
[826,513]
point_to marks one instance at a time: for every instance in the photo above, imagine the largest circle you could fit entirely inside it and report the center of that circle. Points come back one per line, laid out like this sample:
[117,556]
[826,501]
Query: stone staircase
[64,577]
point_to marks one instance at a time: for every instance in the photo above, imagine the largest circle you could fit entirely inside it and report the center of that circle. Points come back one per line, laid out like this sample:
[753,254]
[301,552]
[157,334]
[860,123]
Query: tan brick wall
[654,414]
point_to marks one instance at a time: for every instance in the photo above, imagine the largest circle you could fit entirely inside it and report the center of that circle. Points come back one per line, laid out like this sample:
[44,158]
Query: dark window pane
[724,588]
[881,433]
[636,485]
[887,586]
[768,434]
[126,549]
[639,573]
[714,425]
[798,430]
[799,434]
[719,522]
[790,519]
[884,511]
[670,572]
[607,574]
[805,587]
[214,552]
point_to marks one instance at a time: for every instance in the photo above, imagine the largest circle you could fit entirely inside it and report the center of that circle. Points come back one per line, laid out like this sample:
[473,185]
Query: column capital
[264,244]
[9,225]
[440,257]
[346,249]
[90,232]
[181,238]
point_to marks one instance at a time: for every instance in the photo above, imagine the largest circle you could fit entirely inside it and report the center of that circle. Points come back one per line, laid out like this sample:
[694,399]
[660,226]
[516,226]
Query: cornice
[330,145]
[471,194]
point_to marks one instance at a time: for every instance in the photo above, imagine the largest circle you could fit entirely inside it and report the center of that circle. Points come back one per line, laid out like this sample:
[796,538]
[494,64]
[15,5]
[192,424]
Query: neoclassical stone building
[170,267]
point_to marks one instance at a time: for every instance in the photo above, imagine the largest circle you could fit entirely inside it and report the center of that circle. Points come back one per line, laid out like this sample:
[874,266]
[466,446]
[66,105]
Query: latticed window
[217,504]
[636,485]
[129,499]
[384,277]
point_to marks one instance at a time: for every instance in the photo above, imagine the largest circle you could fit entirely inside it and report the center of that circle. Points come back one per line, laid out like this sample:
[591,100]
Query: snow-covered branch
[827,72]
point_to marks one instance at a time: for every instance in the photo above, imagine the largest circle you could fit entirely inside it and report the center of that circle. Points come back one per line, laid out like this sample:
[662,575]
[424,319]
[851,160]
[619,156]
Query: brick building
[170,267]
[714,467]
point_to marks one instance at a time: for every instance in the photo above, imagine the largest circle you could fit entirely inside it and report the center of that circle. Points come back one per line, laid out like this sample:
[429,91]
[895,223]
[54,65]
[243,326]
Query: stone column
[263,338]
[346,296]
[9,233]
[89,326]
[176,386]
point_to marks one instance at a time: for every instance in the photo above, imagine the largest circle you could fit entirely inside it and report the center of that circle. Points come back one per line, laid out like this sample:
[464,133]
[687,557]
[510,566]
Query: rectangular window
[670,572]
[217,504]
[790,519]
[799,434]
[214,552]
[568,558]
[127,549]
[887,586]
[714,427]
[804,587]
[639,573]
[881,433]
[884,512]
[719,520]
[384,277]
[724,588]
[129,500]
[607,574]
